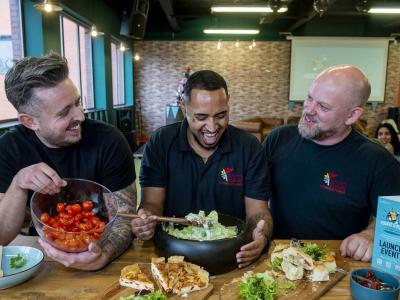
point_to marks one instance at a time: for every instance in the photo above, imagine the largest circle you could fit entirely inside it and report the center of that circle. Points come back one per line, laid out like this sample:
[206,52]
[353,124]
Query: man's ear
[354,115]
[28,121]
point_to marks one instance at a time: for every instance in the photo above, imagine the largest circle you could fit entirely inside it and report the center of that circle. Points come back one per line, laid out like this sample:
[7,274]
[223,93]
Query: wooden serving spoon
[182,221]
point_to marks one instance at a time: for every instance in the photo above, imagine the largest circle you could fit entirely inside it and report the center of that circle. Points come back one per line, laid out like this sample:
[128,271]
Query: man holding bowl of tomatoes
[55,141]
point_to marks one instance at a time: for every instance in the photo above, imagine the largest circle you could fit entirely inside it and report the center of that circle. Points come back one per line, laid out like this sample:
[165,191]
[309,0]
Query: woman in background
[387,136]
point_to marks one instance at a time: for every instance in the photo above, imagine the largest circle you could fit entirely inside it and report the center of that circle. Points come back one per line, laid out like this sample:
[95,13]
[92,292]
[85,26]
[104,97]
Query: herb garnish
[17,261]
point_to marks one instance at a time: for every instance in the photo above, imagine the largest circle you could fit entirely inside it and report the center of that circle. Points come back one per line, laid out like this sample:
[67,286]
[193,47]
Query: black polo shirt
[238,168]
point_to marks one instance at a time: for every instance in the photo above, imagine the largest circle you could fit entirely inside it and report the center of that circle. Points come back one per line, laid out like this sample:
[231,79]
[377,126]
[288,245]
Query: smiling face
[330,109]
[58,122]
[207,114]
[384,136]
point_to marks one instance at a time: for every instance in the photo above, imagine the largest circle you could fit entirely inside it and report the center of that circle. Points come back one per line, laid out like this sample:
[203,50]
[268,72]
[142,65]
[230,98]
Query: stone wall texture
[258,79]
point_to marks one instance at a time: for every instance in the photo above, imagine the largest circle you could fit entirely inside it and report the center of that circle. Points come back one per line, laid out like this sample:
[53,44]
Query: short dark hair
[30,73]
[204,80]
[394,139]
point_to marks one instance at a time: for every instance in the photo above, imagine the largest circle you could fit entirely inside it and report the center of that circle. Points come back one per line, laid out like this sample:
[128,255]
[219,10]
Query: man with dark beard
[205,164]
[55,141]
[325,176]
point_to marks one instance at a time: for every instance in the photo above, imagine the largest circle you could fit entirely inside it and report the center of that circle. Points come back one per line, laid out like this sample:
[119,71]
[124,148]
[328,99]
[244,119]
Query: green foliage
[313,250]
[276,264]
[152,296]
[259,286]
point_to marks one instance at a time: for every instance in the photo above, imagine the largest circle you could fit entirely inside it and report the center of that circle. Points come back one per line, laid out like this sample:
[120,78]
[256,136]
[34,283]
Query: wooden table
[54,281]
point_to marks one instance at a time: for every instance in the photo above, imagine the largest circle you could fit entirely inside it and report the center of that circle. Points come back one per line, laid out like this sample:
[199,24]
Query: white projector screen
[311,55]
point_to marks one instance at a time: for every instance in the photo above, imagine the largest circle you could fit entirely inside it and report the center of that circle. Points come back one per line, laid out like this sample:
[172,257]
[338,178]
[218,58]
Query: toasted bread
[194,278]
[320,272]
[175,271]
[176,259]
[133,277]
[277,252]
[330,263]
[160,272]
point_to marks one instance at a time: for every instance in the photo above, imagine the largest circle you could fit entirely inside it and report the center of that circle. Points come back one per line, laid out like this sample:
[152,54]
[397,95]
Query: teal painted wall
[33,28]
[43,34]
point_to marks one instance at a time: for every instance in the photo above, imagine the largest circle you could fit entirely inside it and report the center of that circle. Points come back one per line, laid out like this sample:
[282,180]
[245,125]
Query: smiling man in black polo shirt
[203,163]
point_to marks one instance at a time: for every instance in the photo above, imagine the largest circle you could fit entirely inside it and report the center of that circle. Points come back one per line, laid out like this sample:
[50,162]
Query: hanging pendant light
[94,32]
[47,6]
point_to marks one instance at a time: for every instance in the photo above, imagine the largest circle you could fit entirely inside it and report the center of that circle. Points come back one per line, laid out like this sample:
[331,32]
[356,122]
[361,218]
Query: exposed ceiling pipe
[168,9]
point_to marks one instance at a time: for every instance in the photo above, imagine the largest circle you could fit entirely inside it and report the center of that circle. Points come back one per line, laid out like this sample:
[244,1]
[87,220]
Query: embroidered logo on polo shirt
[230,178]
[331,183]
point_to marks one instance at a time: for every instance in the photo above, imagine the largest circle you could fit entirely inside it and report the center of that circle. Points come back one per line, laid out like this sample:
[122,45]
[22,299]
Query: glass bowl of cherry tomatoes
[81,213]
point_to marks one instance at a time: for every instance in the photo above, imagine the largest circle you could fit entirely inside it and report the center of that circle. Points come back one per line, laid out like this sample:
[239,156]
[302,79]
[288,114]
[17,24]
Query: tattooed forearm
[268,226]
[121,235]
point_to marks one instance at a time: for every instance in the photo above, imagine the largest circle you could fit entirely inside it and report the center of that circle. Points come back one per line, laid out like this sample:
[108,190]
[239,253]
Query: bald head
[348,81]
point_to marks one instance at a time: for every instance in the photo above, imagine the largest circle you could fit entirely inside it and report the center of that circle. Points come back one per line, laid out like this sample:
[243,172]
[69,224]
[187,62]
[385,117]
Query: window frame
[21,35]
[119,103]
[86,26]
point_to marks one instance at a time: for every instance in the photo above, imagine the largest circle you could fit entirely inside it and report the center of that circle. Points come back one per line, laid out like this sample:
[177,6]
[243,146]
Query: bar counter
[54,281]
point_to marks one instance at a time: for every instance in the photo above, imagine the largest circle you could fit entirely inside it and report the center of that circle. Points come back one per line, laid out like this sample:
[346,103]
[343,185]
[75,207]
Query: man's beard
[314,133]
[309,133]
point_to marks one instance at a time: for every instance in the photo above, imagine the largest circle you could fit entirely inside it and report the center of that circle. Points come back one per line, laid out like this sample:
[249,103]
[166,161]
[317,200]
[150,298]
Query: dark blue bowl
[360,292]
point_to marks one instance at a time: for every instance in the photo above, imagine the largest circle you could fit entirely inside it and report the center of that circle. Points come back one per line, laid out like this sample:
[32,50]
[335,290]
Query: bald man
[326,177]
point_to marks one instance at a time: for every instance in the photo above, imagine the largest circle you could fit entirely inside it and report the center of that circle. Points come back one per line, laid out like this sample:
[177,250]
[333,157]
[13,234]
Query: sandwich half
[297,257]
[292,272]
[160,272]
[320,272]
[330,263]
[133,277]
[194,278]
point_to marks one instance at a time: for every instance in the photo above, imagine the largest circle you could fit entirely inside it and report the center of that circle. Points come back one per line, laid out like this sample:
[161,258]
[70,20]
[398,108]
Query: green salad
[262,286]
[316,252]
[210,230]
[152,296]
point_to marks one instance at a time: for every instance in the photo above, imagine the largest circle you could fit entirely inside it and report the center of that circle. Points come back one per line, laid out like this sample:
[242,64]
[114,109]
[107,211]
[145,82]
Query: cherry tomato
[87,206]
[45,218]
[76,209]
[67,221]
[60,207]
[78,217]
[74,226]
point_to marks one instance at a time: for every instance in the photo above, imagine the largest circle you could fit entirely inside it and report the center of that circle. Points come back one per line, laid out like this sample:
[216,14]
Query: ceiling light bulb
[94,32]
[137,57]
[47,7]
[122,47]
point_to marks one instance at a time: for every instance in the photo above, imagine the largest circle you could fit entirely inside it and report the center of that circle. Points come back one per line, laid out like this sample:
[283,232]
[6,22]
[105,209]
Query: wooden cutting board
[305,290]
[115,290]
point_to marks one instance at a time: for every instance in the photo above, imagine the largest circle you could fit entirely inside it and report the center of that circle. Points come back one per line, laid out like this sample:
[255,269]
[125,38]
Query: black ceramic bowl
[218,256]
